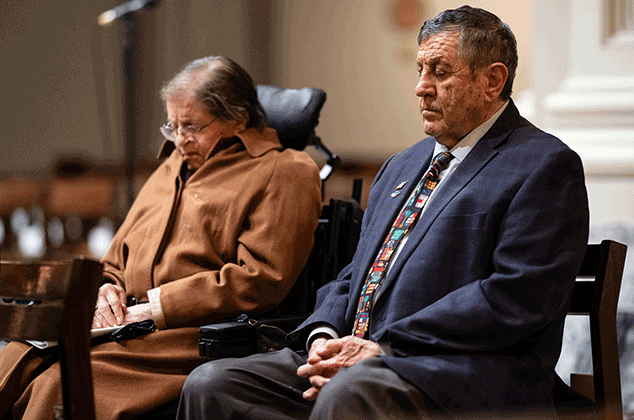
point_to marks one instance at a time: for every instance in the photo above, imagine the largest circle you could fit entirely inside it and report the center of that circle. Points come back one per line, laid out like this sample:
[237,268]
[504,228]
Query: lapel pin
[398,189]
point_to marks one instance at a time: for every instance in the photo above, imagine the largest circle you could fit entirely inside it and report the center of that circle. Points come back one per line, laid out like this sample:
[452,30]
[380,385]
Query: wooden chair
[597,298]
[55,301]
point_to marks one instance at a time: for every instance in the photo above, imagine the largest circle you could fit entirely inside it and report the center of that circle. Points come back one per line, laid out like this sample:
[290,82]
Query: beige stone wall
[60,76]
[367,66]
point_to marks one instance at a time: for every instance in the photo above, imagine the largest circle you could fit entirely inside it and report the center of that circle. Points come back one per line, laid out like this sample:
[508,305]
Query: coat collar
[256,143]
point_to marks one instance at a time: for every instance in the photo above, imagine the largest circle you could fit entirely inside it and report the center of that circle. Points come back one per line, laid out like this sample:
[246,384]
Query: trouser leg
[370,390]
[262,386]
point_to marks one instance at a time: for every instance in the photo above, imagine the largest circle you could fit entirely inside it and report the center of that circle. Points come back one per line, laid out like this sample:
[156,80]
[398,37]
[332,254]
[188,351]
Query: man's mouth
[429,112]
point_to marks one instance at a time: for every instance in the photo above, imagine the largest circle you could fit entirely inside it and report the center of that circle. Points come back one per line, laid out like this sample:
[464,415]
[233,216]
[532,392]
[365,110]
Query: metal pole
[127,22]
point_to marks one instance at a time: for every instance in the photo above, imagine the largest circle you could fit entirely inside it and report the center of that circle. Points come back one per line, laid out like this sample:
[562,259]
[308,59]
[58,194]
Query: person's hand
[110,306]
[137,313]
[327,357]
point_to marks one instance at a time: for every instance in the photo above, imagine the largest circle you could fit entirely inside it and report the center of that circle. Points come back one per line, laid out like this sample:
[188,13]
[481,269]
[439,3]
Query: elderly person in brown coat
[222,227]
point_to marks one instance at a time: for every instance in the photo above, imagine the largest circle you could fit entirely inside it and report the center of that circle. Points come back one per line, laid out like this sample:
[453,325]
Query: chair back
[55,301]
[596,295]
[293,113]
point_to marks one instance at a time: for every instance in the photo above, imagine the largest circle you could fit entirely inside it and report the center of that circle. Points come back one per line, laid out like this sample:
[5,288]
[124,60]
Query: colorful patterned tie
[405,221]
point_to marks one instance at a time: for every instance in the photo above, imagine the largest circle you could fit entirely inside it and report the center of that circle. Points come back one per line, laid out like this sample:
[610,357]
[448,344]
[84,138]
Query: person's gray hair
[224,88]
[483,39]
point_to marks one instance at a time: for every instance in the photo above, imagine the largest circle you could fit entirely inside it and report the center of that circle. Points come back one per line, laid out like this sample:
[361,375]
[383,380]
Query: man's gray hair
[483,39]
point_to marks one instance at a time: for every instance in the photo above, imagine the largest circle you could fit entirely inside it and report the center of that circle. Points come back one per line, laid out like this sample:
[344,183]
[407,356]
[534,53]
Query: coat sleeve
[272,249]
[539,241]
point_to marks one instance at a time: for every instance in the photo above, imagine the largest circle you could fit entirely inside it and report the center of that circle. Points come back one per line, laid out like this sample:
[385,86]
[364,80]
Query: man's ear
[496,75]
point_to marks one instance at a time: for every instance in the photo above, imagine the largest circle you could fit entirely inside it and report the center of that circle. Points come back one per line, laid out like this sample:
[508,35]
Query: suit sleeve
[539,243]
[332,298]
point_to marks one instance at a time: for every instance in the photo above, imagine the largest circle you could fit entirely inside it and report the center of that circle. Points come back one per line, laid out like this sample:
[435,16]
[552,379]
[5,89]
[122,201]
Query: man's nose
[424,87]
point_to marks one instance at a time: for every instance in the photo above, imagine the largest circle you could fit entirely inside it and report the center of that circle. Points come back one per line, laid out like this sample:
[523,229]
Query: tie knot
[440,163]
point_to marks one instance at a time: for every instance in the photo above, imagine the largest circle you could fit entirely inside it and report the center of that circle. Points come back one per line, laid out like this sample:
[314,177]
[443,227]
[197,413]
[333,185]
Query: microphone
[124,9]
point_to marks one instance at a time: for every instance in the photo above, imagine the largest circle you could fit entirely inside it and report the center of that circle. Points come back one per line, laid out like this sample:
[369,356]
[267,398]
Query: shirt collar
[464,146]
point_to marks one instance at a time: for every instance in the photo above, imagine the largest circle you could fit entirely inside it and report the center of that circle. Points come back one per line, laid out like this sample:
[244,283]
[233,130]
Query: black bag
[246,336]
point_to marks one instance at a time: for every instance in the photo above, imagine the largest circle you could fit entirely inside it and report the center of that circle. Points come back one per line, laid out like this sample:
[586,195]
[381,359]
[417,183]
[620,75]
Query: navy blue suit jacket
[473,308]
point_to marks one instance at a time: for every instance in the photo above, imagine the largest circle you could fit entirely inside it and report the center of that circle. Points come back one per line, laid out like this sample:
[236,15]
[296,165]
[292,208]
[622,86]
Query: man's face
[452,101]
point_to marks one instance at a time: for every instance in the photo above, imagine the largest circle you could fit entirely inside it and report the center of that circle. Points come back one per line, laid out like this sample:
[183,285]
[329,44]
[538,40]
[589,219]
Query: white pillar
[583,92]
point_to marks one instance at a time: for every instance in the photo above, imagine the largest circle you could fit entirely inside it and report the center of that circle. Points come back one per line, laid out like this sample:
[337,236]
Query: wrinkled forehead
[441,47]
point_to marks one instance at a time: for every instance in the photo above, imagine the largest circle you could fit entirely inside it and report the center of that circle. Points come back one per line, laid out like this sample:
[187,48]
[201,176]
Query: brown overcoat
[230,240]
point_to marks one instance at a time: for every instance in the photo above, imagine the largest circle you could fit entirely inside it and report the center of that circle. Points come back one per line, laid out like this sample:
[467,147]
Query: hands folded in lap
[327,356]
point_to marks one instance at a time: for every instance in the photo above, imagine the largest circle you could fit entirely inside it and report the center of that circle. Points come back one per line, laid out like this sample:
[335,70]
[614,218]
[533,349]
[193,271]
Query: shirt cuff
[314,334]
[154,296]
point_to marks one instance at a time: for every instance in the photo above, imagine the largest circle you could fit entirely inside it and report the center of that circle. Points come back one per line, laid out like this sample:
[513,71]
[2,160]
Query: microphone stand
[128,106]
[126,13]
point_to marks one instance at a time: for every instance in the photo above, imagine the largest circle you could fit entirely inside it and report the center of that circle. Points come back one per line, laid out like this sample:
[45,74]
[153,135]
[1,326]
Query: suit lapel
[483,152]
[410,172]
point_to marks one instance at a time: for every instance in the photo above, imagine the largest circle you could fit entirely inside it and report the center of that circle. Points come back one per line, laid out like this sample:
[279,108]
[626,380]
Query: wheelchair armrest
[245,336]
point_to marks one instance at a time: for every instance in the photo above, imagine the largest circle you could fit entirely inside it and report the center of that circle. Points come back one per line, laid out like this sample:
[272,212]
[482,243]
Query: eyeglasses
[191,130]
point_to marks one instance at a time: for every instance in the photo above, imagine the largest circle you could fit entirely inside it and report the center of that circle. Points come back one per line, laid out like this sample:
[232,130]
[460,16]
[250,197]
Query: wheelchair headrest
[294,113]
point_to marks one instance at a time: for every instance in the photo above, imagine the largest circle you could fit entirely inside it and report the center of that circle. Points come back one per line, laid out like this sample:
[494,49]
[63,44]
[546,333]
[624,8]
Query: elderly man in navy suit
[455,300]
